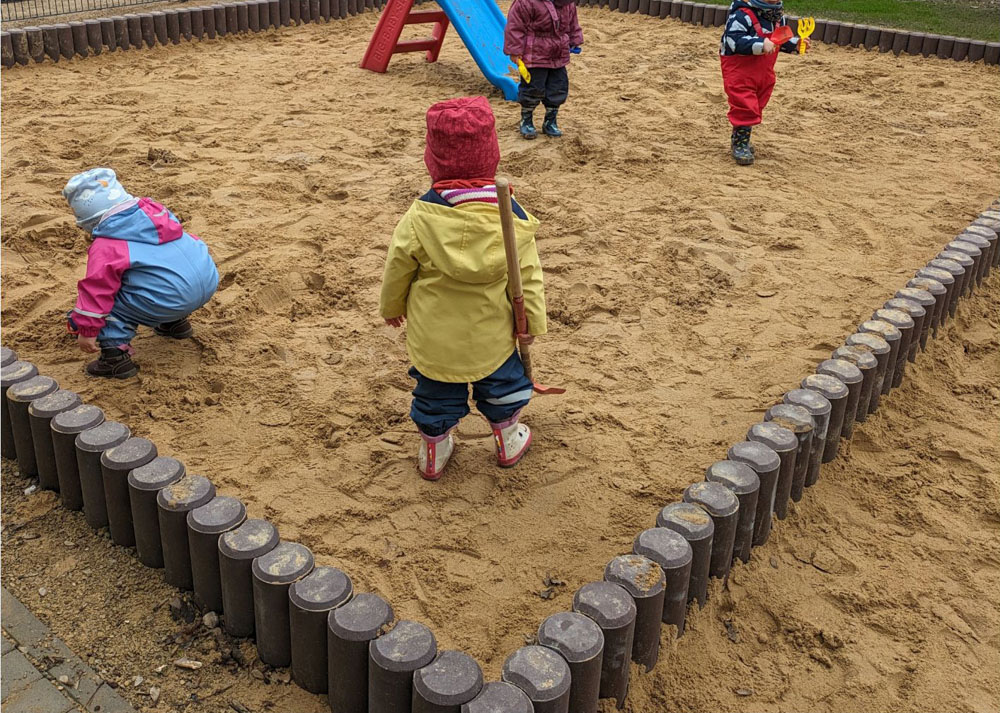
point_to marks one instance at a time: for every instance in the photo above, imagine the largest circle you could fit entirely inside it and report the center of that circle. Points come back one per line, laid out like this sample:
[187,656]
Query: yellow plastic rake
[806,27]
[523,71]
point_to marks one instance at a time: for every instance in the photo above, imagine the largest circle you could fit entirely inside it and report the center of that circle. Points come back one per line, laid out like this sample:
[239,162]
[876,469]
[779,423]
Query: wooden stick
[513,269]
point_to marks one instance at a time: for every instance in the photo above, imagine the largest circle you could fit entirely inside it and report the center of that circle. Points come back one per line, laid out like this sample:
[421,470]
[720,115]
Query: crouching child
[142,268]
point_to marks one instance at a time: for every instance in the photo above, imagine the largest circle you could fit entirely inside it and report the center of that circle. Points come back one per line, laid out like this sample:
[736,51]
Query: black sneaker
[181,329]
[113,364]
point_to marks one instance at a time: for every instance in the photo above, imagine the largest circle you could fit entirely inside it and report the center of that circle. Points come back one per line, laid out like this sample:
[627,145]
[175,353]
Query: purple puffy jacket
[542,31]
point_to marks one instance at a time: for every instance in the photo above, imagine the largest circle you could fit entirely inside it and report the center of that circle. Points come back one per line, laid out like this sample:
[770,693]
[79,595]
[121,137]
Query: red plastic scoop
[781,35]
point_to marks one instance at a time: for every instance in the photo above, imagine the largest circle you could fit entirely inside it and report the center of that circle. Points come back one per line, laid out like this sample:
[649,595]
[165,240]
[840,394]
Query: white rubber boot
[512,440]
[434,454]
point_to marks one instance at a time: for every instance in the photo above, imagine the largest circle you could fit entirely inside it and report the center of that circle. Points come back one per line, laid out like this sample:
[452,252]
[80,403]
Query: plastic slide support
[479,23]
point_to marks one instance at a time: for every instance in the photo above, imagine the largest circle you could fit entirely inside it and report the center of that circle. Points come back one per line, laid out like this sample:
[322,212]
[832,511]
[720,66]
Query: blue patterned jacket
[741,38]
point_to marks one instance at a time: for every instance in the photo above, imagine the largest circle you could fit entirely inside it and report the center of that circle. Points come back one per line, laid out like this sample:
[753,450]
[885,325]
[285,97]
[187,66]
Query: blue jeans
[438,406]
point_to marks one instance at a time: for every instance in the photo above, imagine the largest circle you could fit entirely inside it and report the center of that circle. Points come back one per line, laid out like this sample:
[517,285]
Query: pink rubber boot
[512,441]
[434,454]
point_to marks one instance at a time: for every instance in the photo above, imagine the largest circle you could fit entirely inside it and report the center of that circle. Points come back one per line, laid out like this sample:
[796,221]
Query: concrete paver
[20,624]
[34,659]
[83,682]
[107,700]
[40,697]
[18,673]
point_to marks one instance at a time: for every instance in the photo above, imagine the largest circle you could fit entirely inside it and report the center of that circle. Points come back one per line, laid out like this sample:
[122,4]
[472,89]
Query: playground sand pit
[878,594]
[685,295]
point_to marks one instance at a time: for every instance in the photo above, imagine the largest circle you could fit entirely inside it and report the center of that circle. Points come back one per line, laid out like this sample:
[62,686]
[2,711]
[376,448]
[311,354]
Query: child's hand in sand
[769,47]
[395,321]
[88,345]
[525,339]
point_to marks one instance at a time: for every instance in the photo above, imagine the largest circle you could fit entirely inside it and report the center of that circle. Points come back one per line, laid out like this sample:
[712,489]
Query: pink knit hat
[461,140]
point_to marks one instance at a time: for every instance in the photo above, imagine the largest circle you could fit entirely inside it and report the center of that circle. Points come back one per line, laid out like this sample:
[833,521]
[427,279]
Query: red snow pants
[749,81]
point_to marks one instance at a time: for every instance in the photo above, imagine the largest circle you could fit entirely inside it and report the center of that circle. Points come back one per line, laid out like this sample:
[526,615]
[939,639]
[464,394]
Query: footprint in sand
[274,298]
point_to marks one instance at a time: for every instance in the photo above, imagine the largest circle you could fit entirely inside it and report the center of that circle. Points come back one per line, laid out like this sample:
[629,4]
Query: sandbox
[685,296]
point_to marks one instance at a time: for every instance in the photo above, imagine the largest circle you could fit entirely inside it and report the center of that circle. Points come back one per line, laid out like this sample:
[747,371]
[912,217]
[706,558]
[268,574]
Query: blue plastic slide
[480,24]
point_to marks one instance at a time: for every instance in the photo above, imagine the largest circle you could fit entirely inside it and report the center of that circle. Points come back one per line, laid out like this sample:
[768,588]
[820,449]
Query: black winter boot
[113,364]
[527,123]
[742,152]
[181,329]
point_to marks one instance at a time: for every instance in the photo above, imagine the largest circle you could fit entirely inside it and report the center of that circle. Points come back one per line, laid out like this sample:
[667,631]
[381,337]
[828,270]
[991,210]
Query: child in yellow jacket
[446,272]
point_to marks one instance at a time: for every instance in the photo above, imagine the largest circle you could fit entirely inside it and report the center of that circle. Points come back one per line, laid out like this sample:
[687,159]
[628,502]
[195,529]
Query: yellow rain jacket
[446,271]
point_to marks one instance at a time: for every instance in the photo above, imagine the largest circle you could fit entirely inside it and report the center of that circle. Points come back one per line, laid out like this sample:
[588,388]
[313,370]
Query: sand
[685,295]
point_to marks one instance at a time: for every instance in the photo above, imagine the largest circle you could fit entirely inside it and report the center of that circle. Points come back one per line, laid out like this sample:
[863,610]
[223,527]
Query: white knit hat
[92,193]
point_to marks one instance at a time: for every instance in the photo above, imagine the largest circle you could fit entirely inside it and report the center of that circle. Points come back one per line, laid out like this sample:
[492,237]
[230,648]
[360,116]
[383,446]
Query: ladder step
[385,41]
[416,45]
[425,16]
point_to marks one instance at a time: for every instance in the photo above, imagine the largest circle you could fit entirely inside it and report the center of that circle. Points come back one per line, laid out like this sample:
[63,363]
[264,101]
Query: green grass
[963,18]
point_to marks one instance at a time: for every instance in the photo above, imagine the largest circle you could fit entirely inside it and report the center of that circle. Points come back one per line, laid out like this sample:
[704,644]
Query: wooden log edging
[302,615]
[241,568]
[160,28]
[844,34]
[79,40]
[803,430]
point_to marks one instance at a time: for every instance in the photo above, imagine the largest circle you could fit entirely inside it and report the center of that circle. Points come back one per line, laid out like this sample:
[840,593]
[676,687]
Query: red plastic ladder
[385,42]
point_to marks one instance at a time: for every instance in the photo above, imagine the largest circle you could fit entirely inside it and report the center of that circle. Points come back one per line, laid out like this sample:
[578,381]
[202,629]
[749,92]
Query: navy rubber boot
[528,124]
[742,153]
[549,126]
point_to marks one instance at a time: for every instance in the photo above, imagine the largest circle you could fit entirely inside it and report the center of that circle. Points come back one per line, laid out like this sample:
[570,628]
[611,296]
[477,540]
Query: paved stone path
[39,674]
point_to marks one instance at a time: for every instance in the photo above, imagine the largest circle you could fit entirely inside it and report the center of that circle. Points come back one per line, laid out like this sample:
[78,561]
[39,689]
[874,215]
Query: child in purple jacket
[541,33]
[142,268]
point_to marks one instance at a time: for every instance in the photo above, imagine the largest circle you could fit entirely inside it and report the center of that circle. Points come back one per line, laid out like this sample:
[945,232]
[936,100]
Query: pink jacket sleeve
[515,36]
[106,261]
[575,31]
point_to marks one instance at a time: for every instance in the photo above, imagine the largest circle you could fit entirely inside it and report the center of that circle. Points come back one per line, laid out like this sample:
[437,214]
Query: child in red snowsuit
[748,57]
[542,33]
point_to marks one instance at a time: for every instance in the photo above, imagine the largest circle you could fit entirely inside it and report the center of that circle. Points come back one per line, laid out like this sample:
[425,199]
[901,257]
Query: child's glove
[576,50]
